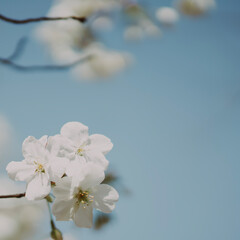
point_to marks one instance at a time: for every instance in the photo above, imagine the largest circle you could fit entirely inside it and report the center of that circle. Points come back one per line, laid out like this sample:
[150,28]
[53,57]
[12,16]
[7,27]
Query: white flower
[102,63]
[102,23]
[65,38]
[75,144]
[69,41]
[38,168]
[167,15]
[77,196]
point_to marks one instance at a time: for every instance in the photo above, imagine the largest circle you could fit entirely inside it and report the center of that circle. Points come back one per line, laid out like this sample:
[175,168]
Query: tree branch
[40,19]
[18,195]
[32,68]
[18,49]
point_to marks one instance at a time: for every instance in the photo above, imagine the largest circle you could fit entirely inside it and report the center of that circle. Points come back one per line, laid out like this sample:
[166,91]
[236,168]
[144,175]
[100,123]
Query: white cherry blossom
[103,63]
[75,144]
[77,196]
[38,169]
[167,15]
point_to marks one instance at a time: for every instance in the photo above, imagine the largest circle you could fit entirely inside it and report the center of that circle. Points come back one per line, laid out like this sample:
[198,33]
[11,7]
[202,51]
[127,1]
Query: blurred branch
[40,19]
[8,62]
[18,195]
[18,49]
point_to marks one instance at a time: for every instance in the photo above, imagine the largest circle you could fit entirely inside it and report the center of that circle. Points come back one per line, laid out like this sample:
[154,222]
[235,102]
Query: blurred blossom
[64,38]
[19,218]
[140,24]
[102,63]
[70,40]
[133,33]
[102,23]
[8,225]
[6,139]
[167,15]
[195,7]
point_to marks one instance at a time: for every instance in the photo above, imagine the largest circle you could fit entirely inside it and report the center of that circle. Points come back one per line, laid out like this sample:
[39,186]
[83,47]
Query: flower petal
[97,158]
[57,167]
[105,197]
[100,143]
[39,187]
[91,176]
[62,190]
[75,131]
[61,146]
[62,210]
[75,167]
[43,140]
[20,171]
[84,217]
[33,148]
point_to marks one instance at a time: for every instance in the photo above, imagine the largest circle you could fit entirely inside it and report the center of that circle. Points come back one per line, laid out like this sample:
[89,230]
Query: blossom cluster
[69,41]
[72,165]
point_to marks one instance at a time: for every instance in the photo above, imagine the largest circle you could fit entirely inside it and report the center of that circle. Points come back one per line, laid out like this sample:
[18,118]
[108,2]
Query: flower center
[84,198]
[39,168]
[80,151]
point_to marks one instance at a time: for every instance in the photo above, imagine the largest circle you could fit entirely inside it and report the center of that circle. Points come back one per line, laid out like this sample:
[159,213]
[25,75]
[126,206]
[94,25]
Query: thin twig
[18,195]
[18,49]
[31,68]
[40,19]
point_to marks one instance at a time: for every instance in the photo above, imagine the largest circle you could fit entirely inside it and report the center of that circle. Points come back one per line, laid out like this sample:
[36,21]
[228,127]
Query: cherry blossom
[38,169]
[77,196]
[75,144]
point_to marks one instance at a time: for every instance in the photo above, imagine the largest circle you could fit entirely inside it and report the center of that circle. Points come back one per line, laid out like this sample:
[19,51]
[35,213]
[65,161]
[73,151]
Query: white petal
[62,210]
[100,143]
[75,167]
[75,131]
[84,217]
[62,190]
[57,167]
[61,146]
[32,148]
[105,197]
[91,176]
[20,171]
[43,140]
[39,187]
[97,158]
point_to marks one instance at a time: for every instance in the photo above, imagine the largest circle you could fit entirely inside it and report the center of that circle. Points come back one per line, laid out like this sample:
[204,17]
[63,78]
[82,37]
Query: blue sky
[173,118]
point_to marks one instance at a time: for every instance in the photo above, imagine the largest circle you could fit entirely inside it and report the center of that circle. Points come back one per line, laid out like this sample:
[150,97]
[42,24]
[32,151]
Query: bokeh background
[173,117]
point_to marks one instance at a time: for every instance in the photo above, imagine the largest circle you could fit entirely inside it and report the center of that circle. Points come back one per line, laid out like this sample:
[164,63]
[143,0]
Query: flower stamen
[40,168]
[80,151]
[84,198]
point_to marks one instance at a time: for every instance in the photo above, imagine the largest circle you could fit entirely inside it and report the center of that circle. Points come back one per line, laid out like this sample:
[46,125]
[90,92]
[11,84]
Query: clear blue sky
[173,118]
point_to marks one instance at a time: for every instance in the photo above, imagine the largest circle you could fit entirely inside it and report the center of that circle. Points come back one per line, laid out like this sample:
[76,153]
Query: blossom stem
[18,195]
[40,19]
[55,233]
[50,212]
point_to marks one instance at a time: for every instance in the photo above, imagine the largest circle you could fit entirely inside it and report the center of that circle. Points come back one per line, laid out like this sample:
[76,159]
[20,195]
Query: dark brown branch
[31,68]
[40,19]
[19,195]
